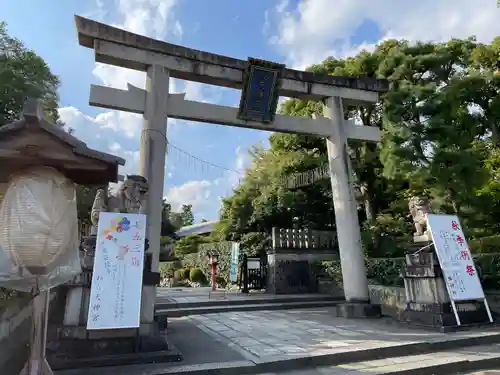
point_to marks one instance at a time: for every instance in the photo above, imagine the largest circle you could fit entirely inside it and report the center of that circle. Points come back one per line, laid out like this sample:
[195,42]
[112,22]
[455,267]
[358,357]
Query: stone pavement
[272,335]
[287,341]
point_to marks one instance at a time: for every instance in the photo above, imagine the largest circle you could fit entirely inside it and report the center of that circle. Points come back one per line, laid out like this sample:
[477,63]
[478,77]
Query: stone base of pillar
[78,348]
[358,310]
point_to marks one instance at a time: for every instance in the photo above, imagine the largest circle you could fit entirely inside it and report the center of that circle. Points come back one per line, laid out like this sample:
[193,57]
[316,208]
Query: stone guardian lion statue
[129,198]
[419,207]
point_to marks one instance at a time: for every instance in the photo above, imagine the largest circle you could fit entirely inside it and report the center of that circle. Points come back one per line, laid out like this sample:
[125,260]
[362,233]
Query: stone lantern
[40,164]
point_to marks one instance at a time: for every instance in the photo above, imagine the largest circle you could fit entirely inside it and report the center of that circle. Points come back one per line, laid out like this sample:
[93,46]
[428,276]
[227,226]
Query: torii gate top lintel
[217,69]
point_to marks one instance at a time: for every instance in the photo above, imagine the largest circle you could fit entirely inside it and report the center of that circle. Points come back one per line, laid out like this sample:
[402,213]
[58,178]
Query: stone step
[211,309]
[220,299]
[455,361]
[454,356]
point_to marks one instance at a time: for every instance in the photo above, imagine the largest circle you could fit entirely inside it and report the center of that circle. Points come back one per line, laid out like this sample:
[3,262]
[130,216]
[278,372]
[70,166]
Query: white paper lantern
[38,221]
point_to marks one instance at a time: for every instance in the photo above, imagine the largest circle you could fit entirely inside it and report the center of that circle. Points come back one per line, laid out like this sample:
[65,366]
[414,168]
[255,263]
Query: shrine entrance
[261,84]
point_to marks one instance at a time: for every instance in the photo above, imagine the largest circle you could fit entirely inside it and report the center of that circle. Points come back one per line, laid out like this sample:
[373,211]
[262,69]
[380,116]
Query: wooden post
[37,362]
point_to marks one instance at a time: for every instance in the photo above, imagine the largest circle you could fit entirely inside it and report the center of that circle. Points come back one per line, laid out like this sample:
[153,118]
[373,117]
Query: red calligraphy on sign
[135,261]
[469,270]
[136,236]
[460,240]
[464,255]
[454,225]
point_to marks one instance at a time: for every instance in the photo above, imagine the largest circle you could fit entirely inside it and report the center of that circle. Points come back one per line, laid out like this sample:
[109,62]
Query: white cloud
[196,193]
[318,28]
[152,18]
[231,179]
[102,135]
[205,195]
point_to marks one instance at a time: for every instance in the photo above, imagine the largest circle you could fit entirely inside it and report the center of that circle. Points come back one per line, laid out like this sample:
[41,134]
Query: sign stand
[460,274]
[116,289]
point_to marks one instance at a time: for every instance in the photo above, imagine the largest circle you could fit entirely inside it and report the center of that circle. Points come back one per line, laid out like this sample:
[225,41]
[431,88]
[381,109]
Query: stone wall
[14,334]
[392,299]
[294,271]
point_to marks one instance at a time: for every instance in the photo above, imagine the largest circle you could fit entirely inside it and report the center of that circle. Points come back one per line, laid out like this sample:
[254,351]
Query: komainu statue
[130,197]
[419,207]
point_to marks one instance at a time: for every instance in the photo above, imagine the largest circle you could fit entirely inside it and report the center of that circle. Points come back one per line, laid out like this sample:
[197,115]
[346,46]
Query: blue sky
[296,32]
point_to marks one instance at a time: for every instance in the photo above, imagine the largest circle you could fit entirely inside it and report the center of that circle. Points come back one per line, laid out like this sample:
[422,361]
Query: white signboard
[115,296]
[455,258]
[235,256]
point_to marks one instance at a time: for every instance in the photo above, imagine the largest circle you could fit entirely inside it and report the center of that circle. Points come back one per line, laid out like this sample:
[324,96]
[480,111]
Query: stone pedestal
[77,347]
[293,271]
[427,300]
[358,310]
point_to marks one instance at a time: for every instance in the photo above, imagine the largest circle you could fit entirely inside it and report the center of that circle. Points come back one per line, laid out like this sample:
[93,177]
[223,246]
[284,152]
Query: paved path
[272,335]
[251,341]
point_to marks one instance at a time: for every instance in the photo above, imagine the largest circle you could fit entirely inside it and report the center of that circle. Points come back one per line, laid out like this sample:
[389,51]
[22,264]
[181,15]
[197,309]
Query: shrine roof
[33,121]
[90,31]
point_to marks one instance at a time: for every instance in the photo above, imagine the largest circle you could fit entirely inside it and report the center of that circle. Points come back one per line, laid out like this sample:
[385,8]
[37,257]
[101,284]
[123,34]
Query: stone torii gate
[261,83]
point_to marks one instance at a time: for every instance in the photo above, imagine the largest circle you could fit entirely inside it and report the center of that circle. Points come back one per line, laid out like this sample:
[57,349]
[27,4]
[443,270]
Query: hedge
[387,271]
[200,259]
[196,275]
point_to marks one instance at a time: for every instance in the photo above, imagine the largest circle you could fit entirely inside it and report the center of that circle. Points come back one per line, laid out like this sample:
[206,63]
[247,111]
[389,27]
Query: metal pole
[37,363]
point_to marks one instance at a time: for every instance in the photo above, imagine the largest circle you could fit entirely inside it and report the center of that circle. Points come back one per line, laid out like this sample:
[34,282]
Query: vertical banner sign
[457,264]
[455,258]
[235,255]
[115,295]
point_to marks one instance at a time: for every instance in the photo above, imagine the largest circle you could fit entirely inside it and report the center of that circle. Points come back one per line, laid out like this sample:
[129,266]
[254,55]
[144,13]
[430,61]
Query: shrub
[485,245]
[178,274]
[185,273]
[196,275]
[167,269]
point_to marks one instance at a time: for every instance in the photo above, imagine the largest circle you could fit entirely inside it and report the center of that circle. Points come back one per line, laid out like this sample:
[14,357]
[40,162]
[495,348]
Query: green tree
[187,216]
[176,220]
[188,244]
[440,107]
[24,74]
[167,226]
[85,196]
[439,125]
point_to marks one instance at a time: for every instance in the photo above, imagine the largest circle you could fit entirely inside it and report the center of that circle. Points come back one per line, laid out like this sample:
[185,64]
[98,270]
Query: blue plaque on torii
[260,92]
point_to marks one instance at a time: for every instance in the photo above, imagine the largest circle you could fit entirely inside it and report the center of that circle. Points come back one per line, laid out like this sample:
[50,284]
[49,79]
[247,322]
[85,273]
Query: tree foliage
[187,216]
[24,74]
[188,244]
[168,227]
[440,126]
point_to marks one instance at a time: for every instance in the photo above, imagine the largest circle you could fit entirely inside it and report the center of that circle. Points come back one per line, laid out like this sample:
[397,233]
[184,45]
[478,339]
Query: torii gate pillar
[348,232]
[152,167]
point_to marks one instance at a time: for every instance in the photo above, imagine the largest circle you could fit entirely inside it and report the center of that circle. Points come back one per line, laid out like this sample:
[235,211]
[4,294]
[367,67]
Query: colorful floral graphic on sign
[118,225]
